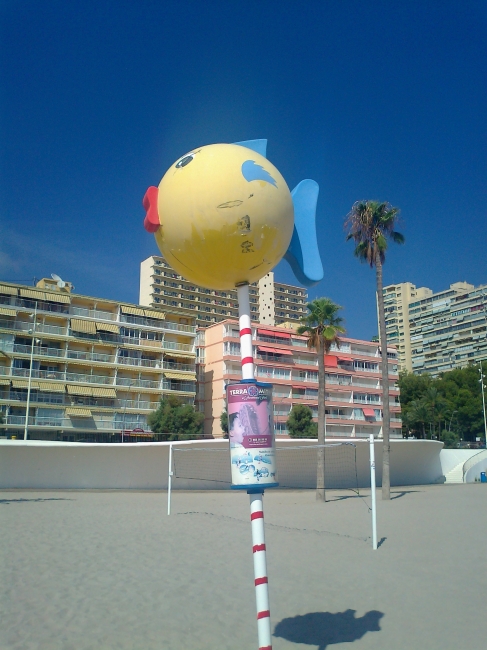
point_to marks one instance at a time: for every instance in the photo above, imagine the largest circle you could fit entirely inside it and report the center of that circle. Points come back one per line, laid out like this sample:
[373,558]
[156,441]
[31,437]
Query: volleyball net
[296,465]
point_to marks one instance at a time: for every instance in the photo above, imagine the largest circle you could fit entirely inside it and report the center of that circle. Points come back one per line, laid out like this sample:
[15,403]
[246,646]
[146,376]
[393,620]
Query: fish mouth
[151,221]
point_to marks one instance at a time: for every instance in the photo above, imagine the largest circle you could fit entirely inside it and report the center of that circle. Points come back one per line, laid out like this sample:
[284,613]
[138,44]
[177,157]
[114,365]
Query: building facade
[353,379]
[396,306]
[271,303]
[437,332]
[96,367]
[280,304]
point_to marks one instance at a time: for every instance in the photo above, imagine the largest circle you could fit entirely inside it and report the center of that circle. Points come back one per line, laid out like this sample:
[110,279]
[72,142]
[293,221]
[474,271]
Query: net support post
[169,481]
[261,581]
[372,492]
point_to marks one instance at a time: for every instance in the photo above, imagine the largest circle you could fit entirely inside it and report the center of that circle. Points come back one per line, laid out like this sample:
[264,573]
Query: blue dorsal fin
[259,146]
[303,254]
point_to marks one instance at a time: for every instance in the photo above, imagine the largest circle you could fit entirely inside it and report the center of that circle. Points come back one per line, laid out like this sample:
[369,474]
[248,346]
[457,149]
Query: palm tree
[322,327]
[419,413]
[437,407]
[370,224]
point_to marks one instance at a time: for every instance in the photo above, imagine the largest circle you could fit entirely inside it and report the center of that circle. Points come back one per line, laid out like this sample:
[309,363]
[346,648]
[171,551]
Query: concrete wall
[144,466]
[450,458]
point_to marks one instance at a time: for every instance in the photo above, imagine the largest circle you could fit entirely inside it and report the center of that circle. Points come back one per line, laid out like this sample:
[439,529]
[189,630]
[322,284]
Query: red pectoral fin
[151,221]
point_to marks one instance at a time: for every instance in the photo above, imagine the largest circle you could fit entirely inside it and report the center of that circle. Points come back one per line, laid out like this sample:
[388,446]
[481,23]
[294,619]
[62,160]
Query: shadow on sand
[9,501]
[323,629]
[398,495]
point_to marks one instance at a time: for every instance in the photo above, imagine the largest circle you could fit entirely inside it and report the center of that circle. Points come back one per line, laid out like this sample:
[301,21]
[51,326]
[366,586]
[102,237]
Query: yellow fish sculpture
[223,216]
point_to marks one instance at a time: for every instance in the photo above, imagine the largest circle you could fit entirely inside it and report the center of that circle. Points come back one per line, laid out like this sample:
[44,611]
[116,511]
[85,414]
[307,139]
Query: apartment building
[440,331]
[396,306]
[353,377]
[271,303]
[87,368]
[280,304]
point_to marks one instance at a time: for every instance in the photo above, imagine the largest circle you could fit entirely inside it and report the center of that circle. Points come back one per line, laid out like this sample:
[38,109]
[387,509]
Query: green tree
[224,422]
[370,224]
[453,398]
[300,422]
[177,420]
[412,387]
[449,438]
[436,406]
[461,390]
[418,415]
[322,326]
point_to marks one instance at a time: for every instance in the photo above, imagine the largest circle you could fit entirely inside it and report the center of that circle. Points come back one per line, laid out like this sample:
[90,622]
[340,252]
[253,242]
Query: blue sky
[374,100]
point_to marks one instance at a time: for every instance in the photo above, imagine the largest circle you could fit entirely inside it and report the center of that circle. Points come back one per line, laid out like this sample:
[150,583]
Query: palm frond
[322,324]
[370,224]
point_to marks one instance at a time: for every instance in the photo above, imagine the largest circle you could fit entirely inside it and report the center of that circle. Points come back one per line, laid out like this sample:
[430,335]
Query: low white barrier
[144,466]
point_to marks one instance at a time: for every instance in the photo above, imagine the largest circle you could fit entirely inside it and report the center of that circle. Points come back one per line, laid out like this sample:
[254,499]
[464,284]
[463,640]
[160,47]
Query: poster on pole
[251,434]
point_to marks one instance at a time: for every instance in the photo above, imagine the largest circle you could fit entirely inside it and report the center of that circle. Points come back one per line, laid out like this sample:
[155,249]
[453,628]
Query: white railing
[473,460]
[179,328]
[305,362]
[92,313]
[171,345]
[135,361]
[38,350]
[173,365]
[310,378]
[38,374]
[24,326]
[137,383]
[63,422]
[88,379]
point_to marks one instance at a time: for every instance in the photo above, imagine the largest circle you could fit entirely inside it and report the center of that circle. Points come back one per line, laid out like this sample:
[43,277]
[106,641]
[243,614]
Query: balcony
[42,306]
[24,326]
[93,313]
[91,356]
[170,365]
[84,378]
[182,386]
[313,398]
[284,358]
[38,350]
[64,423]
[38,374]
[309,378]
[176,327]
[303,361]
[61,399]
[136,361]
[184,347]
[137,383]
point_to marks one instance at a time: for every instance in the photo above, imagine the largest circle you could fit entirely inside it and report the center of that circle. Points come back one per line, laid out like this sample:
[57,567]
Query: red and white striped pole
[260,571]
[256,496]
[246,357]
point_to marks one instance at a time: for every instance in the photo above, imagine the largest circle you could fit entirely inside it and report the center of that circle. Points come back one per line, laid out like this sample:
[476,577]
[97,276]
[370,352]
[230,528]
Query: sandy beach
[109,570]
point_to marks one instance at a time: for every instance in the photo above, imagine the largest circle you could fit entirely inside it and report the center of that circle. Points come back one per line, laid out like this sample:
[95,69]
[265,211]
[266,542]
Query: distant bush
[300,422]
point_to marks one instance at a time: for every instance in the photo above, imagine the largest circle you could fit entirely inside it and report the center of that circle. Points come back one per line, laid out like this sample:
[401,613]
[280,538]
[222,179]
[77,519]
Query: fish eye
[184,161]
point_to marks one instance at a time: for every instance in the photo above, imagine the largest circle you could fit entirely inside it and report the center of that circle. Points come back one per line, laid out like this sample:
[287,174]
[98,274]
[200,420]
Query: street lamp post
[483,401]
[33,332]
[452,414]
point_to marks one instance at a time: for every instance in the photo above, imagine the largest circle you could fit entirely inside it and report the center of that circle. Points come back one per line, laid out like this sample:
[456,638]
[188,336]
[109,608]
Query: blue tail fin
[260,146]
[303,254]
